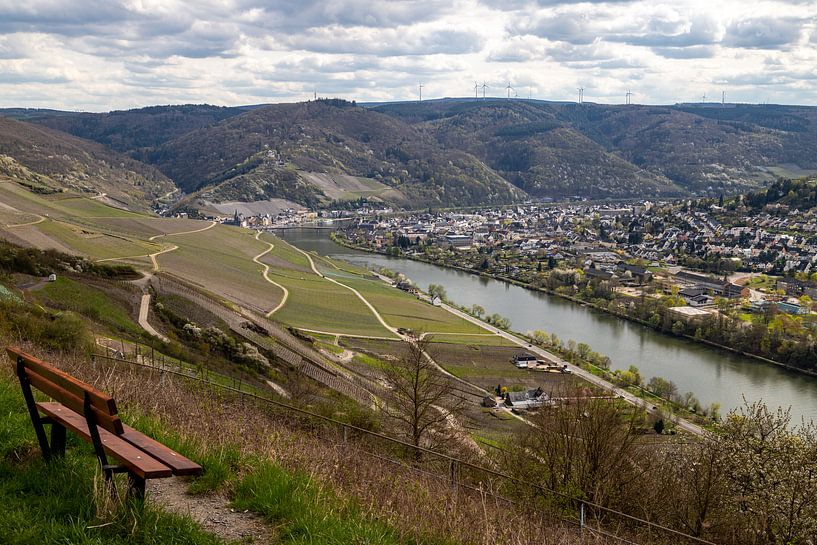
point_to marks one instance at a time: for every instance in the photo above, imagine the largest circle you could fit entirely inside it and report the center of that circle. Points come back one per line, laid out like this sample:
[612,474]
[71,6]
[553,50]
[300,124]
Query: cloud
[103,54]
[763,33]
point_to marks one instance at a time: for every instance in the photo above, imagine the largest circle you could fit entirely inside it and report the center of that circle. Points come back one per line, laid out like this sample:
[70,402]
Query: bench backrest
[65,389]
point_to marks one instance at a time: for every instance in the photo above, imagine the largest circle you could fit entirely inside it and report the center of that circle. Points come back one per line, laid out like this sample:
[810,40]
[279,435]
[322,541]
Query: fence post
[581,519]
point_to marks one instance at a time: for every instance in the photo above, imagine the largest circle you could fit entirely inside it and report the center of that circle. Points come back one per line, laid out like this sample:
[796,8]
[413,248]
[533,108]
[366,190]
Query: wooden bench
[92,415]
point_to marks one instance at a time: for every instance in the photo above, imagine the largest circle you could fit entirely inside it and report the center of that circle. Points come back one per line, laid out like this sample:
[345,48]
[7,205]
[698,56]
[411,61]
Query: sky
[100,55]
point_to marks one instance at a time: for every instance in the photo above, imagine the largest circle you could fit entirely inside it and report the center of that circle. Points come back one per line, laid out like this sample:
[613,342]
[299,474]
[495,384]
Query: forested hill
[47,160]
[614,150]
[454,151]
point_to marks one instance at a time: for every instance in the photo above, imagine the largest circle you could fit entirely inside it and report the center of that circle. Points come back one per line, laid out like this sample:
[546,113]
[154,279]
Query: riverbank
[587,304]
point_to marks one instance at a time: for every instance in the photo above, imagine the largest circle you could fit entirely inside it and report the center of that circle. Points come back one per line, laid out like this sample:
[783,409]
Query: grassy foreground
[55,503]
[63,501]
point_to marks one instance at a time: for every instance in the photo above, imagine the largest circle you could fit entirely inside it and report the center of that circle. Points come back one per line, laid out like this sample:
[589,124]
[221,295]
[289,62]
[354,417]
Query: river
[715,376]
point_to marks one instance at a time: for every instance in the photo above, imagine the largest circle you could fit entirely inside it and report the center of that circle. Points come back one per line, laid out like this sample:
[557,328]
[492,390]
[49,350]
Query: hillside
[450,152]
[130,131]
[529,145]
[554,149]
[47,161]
[316,152]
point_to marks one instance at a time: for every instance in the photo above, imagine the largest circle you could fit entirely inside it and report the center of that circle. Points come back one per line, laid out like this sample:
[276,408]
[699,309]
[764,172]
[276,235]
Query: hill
[530,145]
[130,131]
[452,152]
[48,161]
[317,152]
[556,149]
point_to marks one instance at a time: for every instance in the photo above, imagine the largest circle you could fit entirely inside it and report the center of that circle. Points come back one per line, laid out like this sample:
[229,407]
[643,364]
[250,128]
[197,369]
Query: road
[578,371]
[267,278]
[144,307]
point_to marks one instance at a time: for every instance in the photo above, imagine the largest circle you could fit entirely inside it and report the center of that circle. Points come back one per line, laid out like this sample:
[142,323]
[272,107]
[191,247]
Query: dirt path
[154,255]
[266,275]
[213,512]
[40,219]
[212,224]
[144,308]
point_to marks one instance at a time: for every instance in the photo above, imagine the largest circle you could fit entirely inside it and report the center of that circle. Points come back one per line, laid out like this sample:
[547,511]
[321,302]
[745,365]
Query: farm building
[529,399]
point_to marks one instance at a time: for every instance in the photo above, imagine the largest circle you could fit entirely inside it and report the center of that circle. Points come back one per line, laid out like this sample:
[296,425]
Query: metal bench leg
[36,421]
[57,440]
[136,486]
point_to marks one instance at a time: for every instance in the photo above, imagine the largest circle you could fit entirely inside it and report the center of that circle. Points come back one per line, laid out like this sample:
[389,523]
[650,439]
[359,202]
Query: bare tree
[587,448]
[422,402]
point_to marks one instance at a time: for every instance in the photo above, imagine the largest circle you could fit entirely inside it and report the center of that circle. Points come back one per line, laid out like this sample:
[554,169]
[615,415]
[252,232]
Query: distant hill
[46,160]
[130,131]
[529,144]
[552,148]
[316,152]
[453,152]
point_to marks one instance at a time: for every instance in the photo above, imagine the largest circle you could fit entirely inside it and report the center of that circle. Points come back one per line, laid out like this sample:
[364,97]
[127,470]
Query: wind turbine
[476,90]
[581,95]
[509,89]
[421,91]
[629,98]
[484,86]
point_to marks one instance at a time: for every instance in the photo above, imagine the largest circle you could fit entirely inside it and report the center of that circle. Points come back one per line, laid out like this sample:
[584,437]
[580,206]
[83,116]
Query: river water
[713,375]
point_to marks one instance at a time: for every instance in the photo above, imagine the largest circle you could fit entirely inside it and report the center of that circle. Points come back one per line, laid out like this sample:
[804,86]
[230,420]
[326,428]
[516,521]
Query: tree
[477,311]
[437,290]
[772,474]
[420,403]
[588,448]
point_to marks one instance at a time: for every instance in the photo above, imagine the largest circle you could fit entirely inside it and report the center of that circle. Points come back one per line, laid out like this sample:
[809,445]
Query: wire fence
[586,516]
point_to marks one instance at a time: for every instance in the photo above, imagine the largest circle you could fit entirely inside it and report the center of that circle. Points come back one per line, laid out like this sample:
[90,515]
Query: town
[735,276]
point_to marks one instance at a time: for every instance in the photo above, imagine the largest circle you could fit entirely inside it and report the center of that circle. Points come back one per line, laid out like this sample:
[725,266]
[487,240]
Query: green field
[220,259]
[401,309]
[89,301]
[316,303]
[95,244]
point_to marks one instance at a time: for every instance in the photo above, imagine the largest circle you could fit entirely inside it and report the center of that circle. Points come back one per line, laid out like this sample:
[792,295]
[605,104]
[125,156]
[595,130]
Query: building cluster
[626,247]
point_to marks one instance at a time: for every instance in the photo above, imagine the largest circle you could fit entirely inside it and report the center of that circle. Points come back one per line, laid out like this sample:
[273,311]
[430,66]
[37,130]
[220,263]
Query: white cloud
[105,54]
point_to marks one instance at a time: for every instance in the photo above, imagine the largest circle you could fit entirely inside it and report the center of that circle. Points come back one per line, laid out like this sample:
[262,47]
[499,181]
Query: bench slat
[102,401]
[138,462]
[178,463]
[104,420]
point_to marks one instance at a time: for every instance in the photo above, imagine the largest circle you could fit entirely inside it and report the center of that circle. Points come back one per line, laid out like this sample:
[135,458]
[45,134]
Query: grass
[305,512]
[400,309]
[314,302]
[472,340]
[95,244]
[69,294]
[55,503]
[221,259]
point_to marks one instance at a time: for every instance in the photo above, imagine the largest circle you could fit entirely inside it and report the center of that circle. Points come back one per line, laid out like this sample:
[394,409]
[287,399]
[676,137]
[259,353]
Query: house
[529,399]
[637,273]
[407,287]
[460,241]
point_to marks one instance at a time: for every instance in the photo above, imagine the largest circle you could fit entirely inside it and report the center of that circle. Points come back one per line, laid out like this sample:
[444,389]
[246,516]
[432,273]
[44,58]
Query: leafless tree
[422,403]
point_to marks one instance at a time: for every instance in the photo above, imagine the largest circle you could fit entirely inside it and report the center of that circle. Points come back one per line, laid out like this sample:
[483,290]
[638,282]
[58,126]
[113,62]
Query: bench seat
[137,461]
